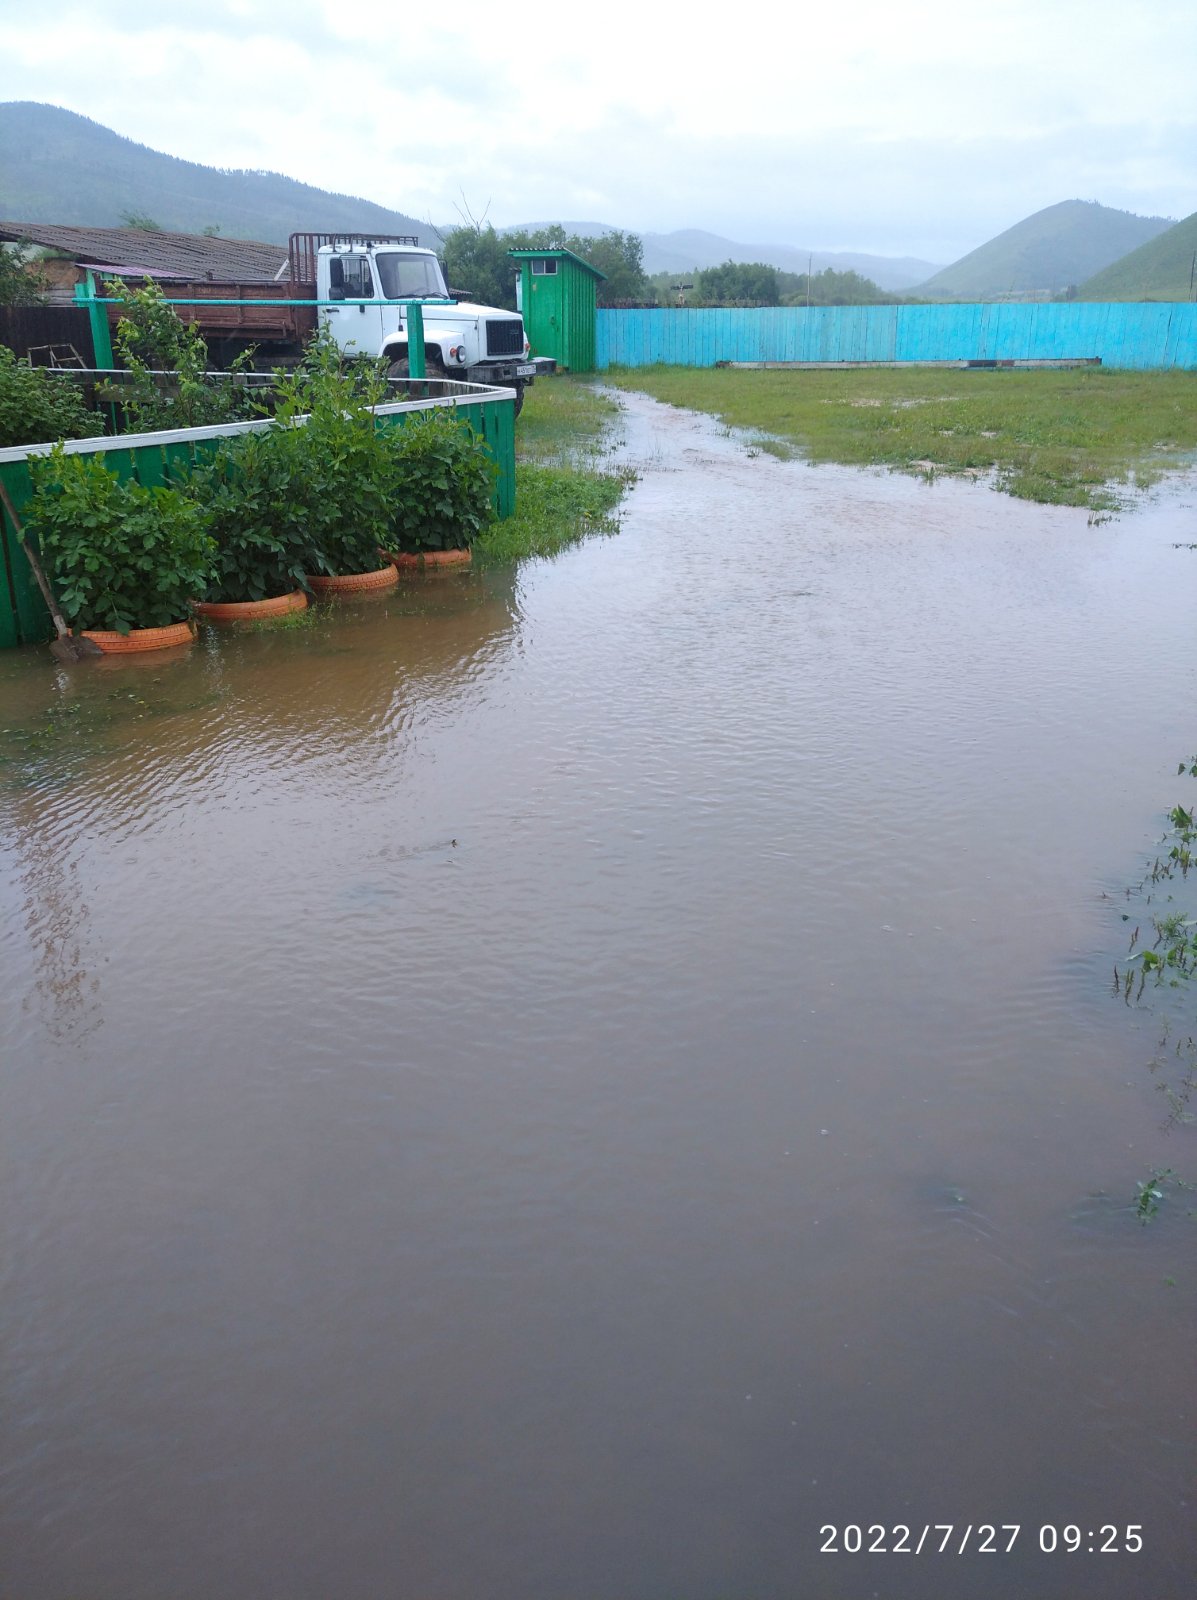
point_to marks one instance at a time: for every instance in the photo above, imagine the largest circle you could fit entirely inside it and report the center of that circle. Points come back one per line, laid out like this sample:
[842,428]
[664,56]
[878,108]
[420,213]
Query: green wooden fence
[169,457]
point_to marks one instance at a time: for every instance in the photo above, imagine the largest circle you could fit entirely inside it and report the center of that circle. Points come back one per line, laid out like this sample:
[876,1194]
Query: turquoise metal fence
[1120,335]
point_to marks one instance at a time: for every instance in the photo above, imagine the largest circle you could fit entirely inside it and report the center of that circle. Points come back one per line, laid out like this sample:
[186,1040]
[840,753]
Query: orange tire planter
[276,605]
[118,644]
[431,560]
[355,582]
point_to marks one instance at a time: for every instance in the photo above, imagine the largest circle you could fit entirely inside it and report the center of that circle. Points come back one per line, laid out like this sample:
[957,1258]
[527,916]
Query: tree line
[476,259]
[754,283]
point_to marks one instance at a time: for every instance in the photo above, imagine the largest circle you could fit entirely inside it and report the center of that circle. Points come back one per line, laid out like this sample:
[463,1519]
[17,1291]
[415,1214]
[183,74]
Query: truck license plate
[528,371]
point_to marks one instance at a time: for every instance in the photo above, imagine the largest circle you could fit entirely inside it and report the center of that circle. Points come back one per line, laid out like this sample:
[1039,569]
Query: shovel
[68,646]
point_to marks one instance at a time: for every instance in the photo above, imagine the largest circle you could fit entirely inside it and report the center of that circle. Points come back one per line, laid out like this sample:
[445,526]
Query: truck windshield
[402,276]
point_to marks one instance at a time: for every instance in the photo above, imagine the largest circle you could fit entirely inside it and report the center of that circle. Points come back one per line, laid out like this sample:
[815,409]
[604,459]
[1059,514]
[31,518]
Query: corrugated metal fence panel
[1129,336]
[23,614]
[161,458]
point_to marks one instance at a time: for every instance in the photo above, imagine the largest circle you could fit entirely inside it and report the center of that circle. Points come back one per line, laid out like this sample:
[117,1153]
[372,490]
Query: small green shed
[557,301]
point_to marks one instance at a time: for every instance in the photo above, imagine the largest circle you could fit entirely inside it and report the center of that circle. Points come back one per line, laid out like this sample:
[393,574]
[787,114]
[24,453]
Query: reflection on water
[568,1083]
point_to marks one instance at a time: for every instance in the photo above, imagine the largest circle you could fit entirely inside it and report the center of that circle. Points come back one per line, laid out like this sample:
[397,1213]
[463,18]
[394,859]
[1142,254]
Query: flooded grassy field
[574,1081]
[1089,436]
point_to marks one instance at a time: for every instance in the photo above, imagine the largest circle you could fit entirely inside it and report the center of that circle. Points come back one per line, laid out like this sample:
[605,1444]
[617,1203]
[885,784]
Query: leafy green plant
[38,405]
[338,461]
[254,494]
[440,483]
[22,283]
[120,556]
[170,385]
[1151,1193]
[328,484]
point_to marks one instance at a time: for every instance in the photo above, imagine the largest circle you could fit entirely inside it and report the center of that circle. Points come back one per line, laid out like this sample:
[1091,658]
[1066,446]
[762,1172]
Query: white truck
[362,284]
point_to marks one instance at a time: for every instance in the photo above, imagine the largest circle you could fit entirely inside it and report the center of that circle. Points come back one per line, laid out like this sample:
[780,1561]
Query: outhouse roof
[527,255]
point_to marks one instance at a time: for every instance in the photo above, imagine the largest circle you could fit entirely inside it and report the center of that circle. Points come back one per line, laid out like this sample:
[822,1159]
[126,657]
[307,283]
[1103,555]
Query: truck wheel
[433,368]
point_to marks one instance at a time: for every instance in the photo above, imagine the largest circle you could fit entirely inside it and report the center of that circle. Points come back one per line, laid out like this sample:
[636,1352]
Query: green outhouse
[557,293]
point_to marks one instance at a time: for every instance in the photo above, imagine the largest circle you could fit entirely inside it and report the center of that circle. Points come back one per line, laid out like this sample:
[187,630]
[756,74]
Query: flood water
[565,1083]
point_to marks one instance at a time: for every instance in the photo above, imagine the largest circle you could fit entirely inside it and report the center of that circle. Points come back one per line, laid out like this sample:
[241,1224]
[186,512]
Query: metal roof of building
[144,252]
[561,253]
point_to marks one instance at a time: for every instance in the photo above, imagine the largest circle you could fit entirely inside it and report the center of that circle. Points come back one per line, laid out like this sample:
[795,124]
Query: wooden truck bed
[247,318]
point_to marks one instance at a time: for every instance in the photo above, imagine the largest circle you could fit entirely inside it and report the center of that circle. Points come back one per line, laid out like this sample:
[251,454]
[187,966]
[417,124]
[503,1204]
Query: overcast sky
[919,129]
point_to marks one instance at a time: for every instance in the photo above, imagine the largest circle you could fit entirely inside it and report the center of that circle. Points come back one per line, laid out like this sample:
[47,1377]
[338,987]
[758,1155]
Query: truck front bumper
[507,371]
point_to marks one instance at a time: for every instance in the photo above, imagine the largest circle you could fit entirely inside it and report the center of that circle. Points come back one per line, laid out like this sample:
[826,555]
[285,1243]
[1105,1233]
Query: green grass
[564,421]
[562,493]
[1084,437]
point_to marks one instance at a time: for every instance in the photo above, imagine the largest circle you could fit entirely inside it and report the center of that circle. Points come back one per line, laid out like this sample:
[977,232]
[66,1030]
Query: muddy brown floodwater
[569,1082]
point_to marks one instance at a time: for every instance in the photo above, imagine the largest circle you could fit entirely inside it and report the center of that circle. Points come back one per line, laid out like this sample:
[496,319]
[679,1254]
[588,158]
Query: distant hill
[691,249]
[56,166]
[1159,270]
[1062,245]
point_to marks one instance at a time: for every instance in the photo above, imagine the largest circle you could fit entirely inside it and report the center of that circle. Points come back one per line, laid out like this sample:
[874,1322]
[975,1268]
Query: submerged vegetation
[1082,437]
[562,492]
[1158,971]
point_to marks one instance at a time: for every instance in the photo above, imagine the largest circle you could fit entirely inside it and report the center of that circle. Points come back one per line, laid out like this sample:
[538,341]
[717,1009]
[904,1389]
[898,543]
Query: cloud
[921,129]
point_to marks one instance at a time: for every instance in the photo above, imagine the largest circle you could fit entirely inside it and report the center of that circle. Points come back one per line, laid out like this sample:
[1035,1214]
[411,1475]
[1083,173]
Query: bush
[254,496]
[440,481]
[168,362]
[336,502]
[38,405]
[22,283]
[120,556]
[324,494]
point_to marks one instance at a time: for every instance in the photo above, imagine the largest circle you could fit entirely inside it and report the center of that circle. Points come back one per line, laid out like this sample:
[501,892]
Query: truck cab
[365,283]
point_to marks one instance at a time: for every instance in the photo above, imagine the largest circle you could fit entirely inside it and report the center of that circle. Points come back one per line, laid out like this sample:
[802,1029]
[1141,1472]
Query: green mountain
[56,166]
[1162,269]
[1062,245]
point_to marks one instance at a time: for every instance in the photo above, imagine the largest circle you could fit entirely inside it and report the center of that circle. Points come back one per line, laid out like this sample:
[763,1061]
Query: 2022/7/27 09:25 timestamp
[980,1538]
